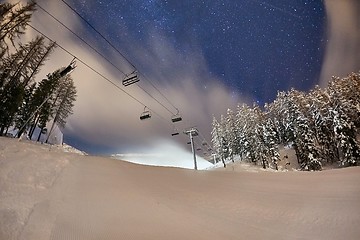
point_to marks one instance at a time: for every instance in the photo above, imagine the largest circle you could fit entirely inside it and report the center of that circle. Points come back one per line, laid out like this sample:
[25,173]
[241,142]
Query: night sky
[254,47]
[203,57]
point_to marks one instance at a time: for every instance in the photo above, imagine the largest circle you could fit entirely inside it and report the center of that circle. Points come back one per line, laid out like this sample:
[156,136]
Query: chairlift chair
[175,132]
[145,115]
[130,79]
[198,149]
[177,117]
[69,68]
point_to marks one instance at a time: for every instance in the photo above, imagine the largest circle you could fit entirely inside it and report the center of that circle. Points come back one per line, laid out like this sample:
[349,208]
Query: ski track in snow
[48,194]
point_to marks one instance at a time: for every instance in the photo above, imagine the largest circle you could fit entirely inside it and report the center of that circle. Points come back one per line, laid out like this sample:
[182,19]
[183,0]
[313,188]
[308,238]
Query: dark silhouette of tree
[54,98]
[14,19]
[19,70]
[62,107]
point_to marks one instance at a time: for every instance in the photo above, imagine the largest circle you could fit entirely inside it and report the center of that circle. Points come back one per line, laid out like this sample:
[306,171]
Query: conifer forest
[321,126]
[27,101]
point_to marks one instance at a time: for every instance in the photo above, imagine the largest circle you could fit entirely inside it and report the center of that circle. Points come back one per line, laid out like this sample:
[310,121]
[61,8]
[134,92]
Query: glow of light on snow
[164,153]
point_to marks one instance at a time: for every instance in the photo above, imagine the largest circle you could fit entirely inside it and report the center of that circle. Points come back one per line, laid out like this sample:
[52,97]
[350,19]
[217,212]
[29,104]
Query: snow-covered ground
[166,154]
[288,162]
[46,193]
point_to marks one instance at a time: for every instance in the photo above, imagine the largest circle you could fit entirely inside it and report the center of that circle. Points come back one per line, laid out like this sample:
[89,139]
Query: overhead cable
[98,73]
[80,38]
[118,51]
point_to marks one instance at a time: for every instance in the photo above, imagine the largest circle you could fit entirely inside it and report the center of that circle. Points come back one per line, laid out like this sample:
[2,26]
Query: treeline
[321,126]
[24,103]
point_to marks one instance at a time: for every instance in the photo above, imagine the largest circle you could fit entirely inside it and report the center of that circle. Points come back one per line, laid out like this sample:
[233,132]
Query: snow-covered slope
[48,194]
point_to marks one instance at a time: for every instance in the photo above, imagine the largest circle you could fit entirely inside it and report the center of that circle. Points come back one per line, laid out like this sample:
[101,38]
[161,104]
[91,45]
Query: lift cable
[154,99]
[102,36]
[98,73]
[118,51]
[153,85]
[80,38]
[94,49]
[204,139]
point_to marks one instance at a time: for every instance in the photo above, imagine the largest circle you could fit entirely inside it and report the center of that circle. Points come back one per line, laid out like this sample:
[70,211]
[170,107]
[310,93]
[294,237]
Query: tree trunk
[32,129]
[223,161]
[263,163]
[51,129]
[2,130]
[12,28]
[296,152]
[38,139]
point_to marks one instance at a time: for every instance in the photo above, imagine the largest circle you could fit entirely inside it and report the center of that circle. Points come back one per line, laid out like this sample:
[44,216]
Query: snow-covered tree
[270,141]
[344,109]
[216,139]
[321,126]
[303,137]
[322,121]
[231,133]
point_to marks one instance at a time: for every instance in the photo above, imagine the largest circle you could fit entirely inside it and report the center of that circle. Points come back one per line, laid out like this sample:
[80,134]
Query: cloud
[343,49]
[106,116]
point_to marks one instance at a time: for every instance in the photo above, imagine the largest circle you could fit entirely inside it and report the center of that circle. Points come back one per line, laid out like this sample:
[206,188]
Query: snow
[46,193]
[164,153]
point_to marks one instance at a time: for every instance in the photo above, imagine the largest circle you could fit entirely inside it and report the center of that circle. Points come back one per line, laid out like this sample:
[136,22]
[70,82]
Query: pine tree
[270,141]
[231,133]
[216,139]
[321,126]
[20,68]
[14,18]
[240,124]
[303,136]
[224,151]
[322,118]
[345,115]
[66,96]
[26,109]
[43,100]
[54,98]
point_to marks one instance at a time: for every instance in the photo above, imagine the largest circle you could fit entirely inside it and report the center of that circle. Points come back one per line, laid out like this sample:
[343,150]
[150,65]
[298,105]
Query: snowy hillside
[46,193]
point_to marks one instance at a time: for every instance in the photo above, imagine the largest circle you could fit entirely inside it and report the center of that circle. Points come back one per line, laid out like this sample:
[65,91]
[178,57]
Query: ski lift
[130,79]
[175,132]
[204,143]
[193,131]
[188,143]
[69,68]
[198,149]
[145,115]
[177,117]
